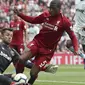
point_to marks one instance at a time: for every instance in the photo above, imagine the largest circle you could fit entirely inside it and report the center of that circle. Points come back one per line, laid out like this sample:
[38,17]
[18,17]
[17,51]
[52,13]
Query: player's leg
[32,51]
[39,63]
[83,46]
[33,74]
[49,68]
[19,66]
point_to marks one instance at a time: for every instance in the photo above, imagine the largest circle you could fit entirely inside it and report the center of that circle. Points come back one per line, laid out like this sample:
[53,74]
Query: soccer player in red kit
[44,44]
[17,43]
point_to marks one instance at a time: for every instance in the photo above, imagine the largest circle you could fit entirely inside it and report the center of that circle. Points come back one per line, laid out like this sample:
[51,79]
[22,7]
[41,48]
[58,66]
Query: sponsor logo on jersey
[52,27]
[5,56]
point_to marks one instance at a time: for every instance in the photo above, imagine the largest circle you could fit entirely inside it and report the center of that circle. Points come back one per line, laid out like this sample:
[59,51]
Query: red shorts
[42,55]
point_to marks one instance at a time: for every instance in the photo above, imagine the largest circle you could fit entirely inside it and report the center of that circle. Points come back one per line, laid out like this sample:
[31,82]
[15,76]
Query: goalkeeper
[8,55]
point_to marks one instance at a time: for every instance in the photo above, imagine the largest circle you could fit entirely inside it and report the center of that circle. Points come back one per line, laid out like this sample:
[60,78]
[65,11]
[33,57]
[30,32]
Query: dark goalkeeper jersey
[7,55]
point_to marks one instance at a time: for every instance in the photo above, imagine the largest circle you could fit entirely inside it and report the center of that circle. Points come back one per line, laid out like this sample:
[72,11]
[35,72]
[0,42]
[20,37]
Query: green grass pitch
[65,75]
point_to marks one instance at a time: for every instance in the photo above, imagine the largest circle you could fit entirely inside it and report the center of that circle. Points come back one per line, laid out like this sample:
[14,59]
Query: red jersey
[52,29]
[18,28]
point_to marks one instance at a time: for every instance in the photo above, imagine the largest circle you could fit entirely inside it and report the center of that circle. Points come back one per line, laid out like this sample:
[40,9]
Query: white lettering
[71,60]
[75,60]
[59,59]
[56,28]
[66,59]
[80,60]
[5,56]
[50,26]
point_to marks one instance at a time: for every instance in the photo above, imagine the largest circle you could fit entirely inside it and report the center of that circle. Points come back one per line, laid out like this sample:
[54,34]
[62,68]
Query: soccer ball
[20,78]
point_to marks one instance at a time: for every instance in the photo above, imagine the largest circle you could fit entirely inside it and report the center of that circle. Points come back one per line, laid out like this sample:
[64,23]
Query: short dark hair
[56,4]
[4,29]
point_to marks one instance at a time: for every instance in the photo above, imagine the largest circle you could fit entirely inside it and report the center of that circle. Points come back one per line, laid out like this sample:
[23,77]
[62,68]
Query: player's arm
[68,28]
[75,46]
[73,39]
[74,42]
[34,20]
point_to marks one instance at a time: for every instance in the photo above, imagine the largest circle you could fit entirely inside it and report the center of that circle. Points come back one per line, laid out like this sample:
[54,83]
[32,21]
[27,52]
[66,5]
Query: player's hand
[16,11]
[81,54]
[76,53]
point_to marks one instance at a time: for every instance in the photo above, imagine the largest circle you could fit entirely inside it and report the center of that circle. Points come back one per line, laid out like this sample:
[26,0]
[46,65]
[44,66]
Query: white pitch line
[52,81]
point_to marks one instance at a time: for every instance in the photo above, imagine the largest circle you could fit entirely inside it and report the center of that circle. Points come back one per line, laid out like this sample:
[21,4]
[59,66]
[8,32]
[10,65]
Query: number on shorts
[43,64]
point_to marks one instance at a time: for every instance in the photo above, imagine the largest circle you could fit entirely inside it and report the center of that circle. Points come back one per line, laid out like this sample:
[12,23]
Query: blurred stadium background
[70,70]
[33,8]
